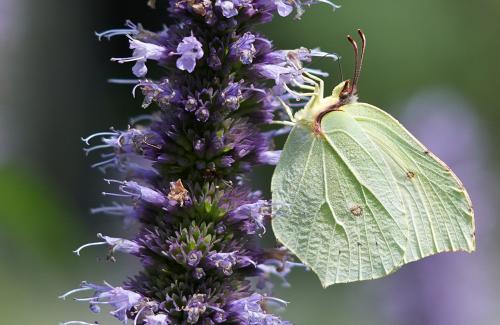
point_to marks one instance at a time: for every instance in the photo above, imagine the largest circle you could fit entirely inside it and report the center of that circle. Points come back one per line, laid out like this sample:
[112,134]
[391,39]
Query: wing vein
[327,199]
[344,161]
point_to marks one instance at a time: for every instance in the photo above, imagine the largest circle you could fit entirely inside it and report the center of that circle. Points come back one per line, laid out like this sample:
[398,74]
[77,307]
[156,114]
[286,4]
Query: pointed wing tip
[325,284]
[473,248]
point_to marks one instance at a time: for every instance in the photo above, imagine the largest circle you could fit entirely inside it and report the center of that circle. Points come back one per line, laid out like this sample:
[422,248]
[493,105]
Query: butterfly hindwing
[439,208]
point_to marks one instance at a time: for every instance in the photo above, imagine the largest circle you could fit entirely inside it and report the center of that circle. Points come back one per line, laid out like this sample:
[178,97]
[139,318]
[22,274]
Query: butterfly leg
[287,123]
[295,93]
[288,109]
[318,82]
[304,86]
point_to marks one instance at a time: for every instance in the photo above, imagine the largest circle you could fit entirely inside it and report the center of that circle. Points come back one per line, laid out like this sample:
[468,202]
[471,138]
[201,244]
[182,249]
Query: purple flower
[285,67]
[189,50]
[141,53]
[226,161]
[191,104]
[219,317]
[118,298]
[134,190]
[232,95]
[193,258]
[244,48]
[251,216]
[249,311]
[202,114]
[280,73]
[161,92]
[126,147]
[270,157]
[116,244]
[195,307]
[284,7]
[223,261]
[228,7]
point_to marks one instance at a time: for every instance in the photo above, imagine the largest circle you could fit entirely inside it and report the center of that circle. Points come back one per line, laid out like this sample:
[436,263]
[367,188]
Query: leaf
[362,197]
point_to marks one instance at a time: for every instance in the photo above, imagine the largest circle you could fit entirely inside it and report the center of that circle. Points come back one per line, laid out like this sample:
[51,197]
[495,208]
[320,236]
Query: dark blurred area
[432,64]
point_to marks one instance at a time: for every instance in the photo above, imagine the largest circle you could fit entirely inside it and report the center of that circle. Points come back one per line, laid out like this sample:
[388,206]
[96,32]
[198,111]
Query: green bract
[358,196]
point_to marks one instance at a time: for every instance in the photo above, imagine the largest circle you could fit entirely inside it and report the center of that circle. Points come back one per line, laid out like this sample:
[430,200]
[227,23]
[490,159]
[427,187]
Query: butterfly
[357,195]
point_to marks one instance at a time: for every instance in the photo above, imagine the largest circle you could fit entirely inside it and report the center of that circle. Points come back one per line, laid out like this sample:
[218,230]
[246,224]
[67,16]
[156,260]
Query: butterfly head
[347,91]
[344,93]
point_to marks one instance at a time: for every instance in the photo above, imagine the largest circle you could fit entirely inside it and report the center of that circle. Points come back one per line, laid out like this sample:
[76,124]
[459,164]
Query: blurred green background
[431,63]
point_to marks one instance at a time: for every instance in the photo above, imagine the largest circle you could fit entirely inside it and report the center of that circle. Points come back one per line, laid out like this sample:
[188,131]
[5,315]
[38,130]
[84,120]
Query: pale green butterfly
[357,195]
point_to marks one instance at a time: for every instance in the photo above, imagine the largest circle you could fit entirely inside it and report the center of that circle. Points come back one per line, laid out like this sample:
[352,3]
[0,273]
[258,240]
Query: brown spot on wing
[410,174]
[356,210]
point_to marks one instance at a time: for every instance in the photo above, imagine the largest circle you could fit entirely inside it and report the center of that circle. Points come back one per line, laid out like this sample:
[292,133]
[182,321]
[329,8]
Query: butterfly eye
[346,91]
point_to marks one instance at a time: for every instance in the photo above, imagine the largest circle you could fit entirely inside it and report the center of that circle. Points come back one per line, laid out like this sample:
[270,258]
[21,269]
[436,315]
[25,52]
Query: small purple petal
[202,114]
[193,258]
[269,157]
[284,9]
[190,50]
[228,8]
[139,69]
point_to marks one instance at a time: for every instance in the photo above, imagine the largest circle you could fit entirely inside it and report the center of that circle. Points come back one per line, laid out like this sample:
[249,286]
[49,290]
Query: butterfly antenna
[356,62]
[361,59]
[358,59]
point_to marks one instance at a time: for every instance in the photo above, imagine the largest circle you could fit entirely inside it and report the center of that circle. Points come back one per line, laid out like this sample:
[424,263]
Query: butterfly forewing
[439,208]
